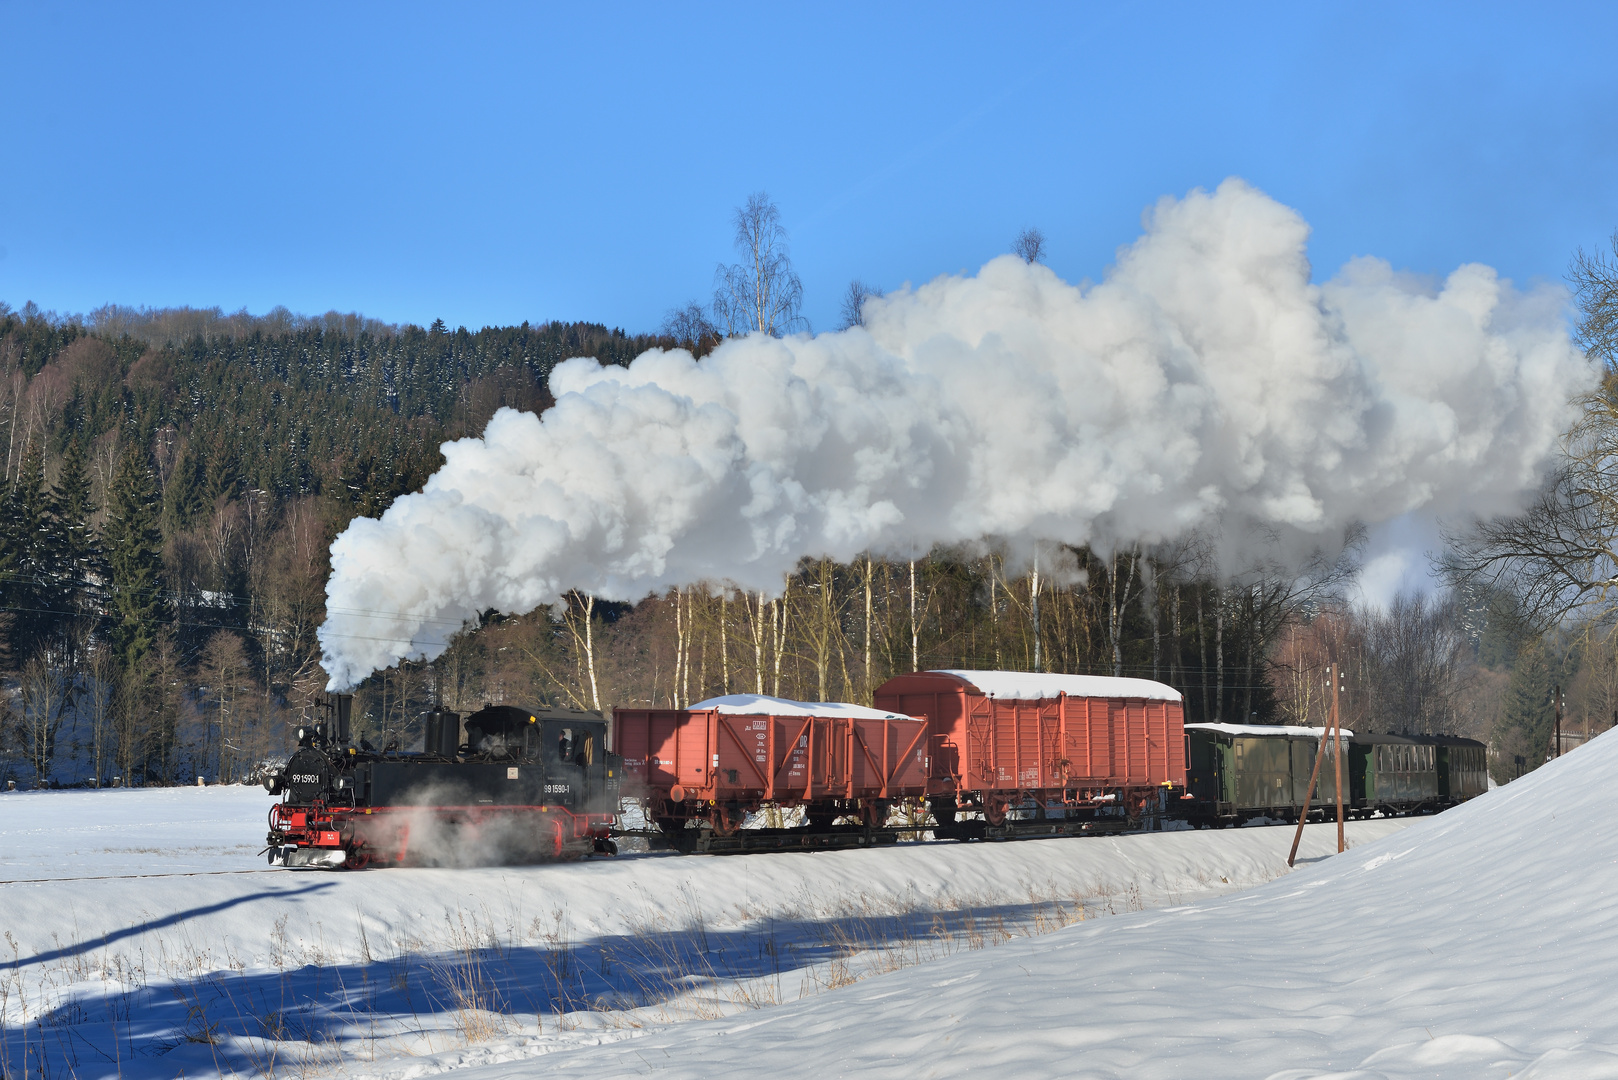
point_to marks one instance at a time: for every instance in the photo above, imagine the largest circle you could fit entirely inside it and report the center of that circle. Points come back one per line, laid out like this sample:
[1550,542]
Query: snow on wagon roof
[1030,685]
[764,705]
[1264,729]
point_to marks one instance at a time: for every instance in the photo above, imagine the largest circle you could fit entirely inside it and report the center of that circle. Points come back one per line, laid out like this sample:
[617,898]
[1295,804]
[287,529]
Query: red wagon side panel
[1127,734]
[889,758]
[722,756]
[660,748]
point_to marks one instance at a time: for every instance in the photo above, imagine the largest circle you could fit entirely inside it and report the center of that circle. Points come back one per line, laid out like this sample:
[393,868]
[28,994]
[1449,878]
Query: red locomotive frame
[353,838]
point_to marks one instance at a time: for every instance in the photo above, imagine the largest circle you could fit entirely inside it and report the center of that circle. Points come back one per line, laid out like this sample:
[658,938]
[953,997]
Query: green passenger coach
[1240,772]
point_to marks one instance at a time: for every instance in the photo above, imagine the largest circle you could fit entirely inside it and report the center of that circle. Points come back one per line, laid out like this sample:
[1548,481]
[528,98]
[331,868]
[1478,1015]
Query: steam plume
[1204,381]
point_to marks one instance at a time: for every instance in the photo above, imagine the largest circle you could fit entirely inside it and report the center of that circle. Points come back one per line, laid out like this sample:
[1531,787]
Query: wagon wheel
[874,812]
[818,817]
[724,820]
[994,809]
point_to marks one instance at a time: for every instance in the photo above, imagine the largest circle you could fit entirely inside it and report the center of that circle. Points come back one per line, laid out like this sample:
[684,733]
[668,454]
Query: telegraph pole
[1337,728]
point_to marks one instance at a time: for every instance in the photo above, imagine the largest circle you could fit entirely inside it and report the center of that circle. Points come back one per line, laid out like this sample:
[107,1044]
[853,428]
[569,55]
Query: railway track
[704,841]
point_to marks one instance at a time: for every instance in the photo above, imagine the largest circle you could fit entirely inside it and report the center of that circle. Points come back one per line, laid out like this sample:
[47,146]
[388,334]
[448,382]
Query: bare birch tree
[761,293]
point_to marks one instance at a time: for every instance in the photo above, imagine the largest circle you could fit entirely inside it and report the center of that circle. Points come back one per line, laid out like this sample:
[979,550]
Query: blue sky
[497,163]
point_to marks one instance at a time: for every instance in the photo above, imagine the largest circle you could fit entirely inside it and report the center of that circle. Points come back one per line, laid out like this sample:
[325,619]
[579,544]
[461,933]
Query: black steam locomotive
[508,784]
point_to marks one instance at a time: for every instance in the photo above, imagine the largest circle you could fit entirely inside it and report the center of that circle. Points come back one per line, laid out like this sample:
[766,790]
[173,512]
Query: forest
[174,478]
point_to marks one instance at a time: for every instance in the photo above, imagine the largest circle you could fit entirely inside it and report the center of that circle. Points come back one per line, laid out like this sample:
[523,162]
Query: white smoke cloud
[1205,381]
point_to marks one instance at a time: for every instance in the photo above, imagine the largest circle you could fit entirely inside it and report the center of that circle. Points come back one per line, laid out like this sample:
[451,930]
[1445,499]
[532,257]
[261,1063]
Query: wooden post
[1320,752]
[1337,728]
[1558,721]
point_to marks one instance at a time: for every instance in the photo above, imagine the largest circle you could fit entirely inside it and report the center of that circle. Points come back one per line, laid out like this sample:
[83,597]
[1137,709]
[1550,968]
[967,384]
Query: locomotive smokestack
[342,711]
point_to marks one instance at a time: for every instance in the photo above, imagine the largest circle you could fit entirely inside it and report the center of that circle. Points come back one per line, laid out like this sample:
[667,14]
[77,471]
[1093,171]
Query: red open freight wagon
[725,757]
[1002,738]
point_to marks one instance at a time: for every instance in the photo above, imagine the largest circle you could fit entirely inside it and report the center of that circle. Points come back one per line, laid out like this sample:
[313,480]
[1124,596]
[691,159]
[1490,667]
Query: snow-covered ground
[1479,944]
[145,938]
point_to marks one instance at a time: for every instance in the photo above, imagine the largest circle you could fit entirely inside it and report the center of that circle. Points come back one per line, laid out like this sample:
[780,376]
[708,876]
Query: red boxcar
[727,756]
[999,738]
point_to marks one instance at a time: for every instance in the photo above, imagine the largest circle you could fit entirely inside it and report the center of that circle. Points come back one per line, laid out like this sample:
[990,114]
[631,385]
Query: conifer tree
[134,549]
[32,598]
[1526,718]
[184,493]
[79,569]
[219,473]
[11,540]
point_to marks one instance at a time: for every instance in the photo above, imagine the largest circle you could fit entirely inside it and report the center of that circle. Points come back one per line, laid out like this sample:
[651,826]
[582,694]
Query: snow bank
[1476,944]
[132,867]
[164,919]
[764,705]
[1033,686]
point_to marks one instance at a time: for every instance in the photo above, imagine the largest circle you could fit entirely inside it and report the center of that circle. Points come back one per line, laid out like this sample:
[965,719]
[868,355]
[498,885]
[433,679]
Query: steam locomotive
[507,784]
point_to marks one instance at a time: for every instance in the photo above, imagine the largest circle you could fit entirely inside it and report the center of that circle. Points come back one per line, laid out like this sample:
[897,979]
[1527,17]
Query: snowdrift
[1477,944]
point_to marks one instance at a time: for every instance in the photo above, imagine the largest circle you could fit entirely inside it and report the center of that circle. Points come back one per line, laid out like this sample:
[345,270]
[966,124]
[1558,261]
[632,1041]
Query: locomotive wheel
[358,858]
[994,810]
[557,840]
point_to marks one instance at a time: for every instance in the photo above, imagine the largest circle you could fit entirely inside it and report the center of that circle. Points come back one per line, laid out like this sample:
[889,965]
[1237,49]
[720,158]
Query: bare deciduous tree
[225,673]
[853,312]
[1594,277]
[43,703]
[1560,556]
[99,671]
[761,293]
[691,328]
[1415,651]
[1029,246]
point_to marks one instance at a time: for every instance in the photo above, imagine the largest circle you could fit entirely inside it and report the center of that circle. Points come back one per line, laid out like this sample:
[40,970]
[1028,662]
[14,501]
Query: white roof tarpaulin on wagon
[1032,685]
[764,705]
